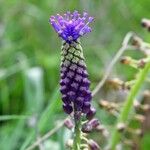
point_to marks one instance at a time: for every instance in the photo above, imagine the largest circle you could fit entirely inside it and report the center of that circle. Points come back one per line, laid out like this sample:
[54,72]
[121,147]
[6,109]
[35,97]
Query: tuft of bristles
[71,26]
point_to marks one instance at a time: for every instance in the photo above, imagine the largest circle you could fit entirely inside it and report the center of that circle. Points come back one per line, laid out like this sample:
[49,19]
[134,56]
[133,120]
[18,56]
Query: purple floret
[71,26]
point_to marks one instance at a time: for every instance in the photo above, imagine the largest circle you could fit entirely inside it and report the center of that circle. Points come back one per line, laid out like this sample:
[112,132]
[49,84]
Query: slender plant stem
[77,134]
[128,105]
[125,46]
[46,136]
[11,117]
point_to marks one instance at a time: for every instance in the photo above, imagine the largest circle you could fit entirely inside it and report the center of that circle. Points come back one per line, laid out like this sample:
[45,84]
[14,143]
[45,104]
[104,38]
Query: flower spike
[74,82]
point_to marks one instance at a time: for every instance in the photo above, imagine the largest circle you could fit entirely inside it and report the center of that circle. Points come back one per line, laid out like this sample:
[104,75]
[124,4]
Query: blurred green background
[30,102]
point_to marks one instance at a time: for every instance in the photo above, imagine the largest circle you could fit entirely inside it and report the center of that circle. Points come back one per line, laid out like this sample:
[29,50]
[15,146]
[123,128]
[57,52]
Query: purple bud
[93,145]
[94,123]
[68,123]
[85,14]
[91,113]
[86,128]
[65,99]
[90,125]
[74,86]
[91,19]
[62,82]
[79,101]
[88,97]
[63,89]
[86,107]
[86,82]
[67,108]
[71,95]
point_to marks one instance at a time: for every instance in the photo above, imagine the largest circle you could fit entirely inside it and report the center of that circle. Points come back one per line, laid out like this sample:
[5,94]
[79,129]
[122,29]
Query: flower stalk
[74,82]
[128,105]
[77,135]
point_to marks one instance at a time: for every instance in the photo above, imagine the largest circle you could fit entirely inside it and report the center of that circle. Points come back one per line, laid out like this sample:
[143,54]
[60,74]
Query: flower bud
[67,108]
[94,123]
[68,123]
[89,126]
[86,128]
[93,145]
[91,113]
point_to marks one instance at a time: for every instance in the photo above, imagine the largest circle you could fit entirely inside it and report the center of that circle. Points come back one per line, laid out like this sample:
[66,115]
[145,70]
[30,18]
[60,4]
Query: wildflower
[76,95]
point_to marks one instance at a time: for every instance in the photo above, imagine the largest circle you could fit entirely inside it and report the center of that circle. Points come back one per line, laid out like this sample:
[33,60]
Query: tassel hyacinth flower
[76,95]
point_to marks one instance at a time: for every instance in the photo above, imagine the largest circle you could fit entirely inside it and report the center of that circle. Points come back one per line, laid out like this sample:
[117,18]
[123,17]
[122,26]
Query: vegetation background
[30,103]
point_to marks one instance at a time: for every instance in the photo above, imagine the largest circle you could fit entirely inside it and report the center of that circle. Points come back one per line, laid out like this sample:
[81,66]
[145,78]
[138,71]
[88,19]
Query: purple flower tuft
[71,26]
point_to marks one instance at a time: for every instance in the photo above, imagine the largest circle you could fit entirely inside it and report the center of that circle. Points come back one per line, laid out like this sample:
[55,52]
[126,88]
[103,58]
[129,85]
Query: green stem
[128,105]
[77,134]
